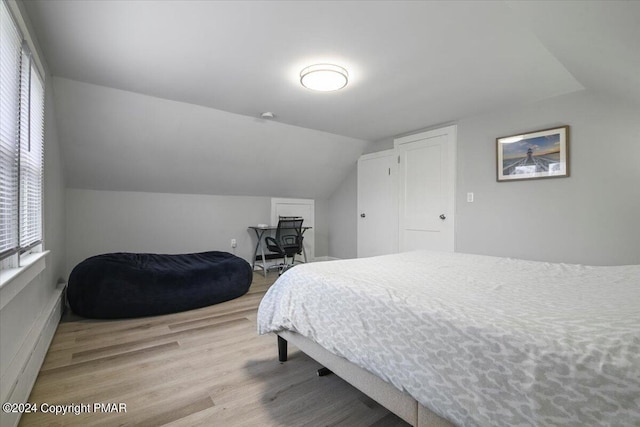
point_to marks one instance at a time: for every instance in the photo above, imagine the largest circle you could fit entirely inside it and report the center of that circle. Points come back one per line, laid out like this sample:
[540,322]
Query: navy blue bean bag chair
[123,285]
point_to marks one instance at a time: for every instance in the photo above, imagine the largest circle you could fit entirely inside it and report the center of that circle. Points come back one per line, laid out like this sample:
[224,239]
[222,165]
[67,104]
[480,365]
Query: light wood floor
[205,367]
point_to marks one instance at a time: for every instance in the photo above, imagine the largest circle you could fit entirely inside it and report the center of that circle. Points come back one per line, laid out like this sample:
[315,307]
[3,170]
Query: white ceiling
[412,64]
[132,78]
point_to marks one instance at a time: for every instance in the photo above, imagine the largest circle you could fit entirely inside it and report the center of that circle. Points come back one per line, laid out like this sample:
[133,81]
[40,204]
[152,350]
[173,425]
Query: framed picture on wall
[533,155]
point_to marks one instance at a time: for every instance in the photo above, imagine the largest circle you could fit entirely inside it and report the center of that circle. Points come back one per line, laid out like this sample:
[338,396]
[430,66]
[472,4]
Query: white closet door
[377,204]
[427,190]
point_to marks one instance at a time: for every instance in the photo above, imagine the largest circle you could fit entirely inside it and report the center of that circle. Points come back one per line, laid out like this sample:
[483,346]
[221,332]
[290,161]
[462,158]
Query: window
[21,142]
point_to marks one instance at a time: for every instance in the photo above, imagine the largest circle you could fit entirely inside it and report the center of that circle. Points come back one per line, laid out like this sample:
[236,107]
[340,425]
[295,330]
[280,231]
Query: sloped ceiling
[118,140]
[597,41]
[411,65]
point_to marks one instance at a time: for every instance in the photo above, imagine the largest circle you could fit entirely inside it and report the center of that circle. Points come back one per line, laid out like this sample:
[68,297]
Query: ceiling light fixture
[324,77]
[267,115]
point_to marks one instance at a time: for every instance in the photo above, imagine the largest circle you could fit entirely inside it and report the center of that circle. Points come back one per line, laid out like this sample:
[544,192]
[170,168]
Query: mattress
[481,341]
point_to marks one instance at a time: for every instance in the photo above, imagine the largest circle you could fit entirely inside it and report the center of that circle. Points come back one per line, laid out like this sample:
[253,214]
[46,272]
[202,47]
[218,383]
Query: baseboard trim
[23,370]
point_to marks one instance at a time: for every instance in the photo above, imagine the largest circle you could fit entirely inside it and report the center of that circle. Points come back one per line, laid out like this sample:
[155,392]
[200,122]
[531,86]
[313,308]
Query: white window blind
[10,63]
[21,141]
[31,154]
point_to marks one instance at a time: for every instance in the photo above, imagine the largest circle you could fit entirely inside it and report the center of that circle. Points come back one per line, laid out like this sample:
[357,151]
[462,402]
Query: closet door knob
[362,215]
[442,217]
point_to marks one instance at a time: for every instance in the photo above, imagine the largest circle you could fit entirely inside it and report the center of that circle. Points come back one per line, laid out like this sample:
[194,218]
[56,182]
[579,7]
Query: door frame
[452,140]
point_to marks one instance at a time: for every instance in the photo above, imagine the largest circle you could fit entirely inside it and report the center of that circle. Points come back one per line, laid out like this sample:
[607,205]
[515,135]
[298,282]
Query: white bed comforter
[480,340]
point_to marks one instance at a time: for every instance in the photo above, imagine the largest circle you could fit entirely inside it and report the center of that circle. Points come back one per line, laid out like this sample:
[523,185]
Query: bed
[470,340]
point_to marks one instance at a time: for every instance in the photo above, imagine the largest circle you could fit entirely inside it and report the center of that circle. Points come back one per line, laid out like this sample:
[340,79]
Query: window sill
[13,280]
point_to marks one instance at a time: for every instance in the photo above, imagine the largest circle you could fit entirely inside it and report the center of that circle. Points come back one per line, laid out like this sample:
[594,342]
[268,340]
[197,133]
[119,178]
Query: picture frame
[533,155]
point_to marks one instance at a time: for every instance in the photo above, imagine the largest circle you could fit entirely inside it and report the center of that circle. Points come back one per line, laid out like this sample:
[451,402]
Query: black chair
[288,241]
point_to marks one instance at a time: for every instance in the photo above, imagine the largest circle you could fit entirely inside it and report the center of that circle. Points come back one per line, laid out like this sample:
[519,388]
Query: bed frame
[398,402]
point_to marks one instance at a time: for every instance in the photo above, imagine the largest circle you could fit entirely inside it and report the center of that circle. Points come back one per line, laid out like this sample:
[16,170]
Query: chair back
[289,233]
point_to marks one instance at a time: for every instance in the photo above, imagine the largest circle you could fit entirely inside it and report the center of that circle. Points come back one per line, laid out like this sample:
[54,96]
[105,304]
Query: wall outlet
[470,197]
[234,243]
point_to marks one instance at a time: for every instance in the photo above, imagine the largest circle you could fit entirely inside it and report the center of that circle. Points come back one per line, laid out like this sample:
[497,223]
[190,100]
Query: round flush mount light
[267,115]
[324,77]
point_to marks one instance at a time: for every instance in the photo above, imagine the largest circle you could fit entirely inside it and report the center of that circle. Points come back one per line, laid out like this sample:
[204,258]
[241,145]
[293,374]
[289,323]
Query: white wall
[590,217]
[119,221]
[54,189]
[343,218]
[321,232]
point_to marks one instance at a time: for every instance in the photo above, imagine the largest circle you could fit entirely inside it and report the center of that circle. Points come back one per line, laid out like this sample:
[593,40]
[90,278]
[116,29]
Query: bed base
[398,402]
[282,357]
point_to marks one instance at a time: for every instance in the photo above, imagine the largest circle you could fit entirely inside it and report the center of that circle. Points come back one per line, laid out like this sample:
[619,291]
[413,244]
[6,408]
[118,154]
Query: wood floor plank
[100,348]
[94,364]
[167,415]
[204,367]
[143,343]
[93,386]
[218,318]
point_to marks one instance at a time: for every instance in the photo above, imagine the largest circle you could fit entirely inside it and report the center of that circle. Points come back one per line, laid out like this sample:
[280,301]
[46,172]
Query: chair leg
[285,265]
